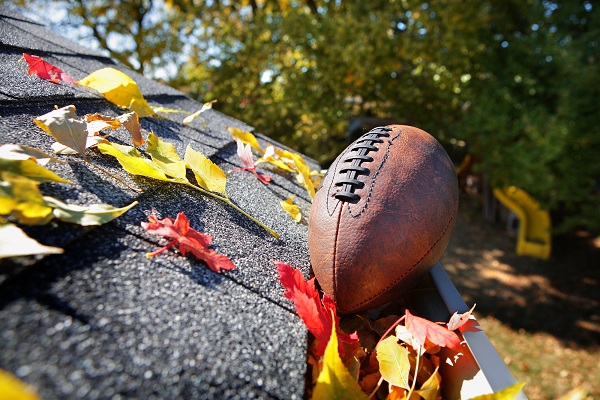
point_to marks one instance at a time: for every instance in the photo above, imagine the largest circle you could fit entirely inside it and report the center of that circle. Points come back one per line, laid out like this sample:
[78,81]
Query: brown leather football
[382,217]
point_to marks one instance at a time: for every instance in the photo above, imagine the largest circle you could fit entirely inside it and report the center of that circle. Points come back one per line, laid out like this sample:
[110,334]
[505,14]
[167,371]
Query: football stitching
[411,268]
[375,175]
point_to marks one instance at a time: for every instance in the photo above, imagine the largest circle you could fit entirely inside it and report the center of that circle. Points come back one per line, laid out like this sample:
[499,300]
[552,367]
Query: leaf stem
[414,383]
[113,176]
[395,324]
[232,204]
[376,387]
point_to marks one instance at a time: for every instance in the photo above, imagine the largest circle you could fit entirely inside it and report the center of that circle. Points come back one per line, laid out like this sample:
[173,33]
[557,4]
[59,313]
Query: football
[382,217]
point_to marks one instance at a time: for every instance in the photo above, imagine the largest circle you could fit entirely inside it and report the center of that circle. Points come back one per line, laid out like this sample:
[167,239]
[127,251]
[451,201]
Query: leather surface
[366,252]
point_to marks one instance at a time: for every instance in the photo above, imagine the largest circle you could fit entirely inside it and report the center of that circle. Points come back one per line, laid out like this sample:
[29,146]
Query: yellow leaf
[63,126]
[431,387]
[97,122]
[165,110]
[132,161]
[394,364]
[29,169]
[131,122]
[165,157]
[334,381]
[21,197]
[272,156]
[119,89]
[95,214]
[510,393]
[11,387]
[291,209]
[207,173]
[19,152]
[206,106]
[303,173]
[246,138]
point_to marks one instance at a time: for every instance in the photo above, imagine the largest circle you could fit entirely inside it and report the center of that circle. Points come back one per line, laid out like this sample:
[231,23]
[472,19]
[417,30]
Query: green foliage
[516,80]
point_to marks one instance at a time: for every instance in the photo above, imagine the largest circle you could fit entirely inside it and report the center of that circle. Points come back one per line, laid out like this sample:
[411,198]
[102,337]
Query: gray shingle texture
[104,321]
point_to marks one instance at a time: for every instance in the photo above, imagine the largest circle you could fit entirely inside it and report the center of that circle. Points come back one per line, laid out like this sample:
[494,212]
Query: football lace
[357,155]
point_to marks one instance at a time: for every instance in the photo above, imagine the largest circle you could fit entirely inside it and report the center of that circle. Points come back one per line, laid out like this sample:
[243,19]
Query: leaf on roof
[62,124]
[21,152]
[334,381]
[44,70]
[94,214]
[278,158]
[29,169]
[21,197]
[207,173]
[13,388]
[314,312]
[132,161]
[187,239]
[246,138]
[245,154]
[292,209]
[130,121]
[303,174]
[206,106]
[164,155]
[394,363]
[119,89]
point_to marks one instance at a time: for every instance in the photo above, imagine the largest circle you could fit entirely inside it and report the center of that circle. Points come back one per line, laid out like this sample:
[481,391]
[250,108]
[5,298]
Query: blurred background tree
[516,81]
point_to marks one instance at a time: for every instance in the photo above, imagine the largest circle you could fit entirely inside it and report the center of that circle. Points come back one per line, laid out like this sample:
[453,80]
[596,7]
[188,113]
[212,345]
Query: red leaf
[315,313]
[458,320]
[430,334]
[45,70]
[188,239]
[245,154]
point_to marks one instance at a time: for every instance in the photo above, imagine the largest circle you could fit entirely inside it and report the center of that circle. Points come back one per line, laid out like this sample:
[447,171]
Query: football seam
[410,269]
[335,247]
[375,176]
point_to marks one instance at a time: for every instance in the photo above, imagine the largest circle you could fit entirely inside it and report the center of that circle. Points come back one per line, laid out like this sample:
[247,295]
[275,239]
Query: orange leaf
[430,334]
[458,320]
[188,239]
[45,70]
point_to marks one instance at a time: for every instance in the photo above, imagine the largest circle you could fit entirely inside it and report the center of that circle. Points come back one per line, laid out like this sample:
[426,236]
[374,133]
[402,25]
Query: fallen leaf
[132,161]
[94,214]
[62,149]
[166,110]
[29,169]
[430,334]
[207,173]
[430,389]
[188,240]
[131,122]
[334,381]
[314,312]
[21,197]
[119,89]
[21,152]
[12,388]
[458,320]
[15,243]
[272,156]
[206,106]
[246,138]
[303,174]
[245,154]
[292,209]
[394,364]
[65,128]
[45,70]
[510,393]
[164,155]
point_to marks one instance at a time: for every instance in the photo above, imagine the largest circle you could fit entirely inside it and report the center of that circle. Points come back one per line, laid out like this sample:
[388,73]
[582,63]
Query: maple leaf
[334,381]
[314,312]
[430,334]
[245,154]
[188,239]
[45,70]
[458,320]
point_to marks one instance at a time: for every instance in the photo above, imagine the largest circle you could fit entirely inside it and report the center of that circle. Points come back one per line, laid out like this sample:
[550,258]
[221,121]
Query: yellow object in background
[534,238]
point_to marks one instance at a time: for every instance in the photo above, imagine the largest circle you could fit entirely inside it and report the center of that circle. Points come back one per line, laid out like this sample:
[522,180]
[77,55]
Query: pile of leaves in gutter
[23,168]
[391,358]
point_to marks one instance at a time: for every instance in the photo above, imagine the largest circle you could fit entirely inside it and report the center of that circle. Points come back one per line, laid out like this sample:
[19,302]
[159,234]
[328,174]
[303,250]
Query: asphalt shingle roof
[104,321]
